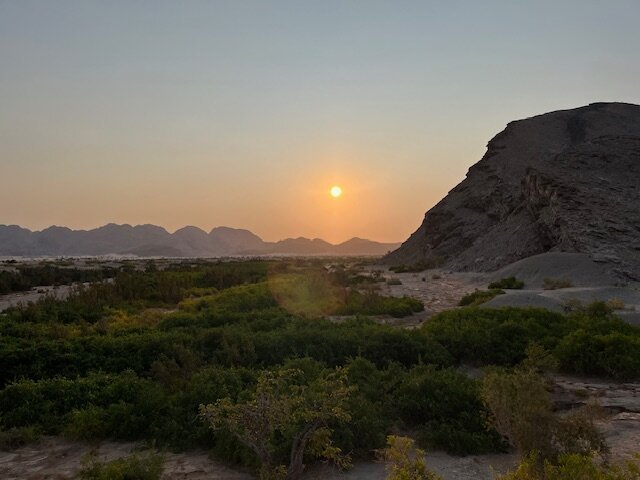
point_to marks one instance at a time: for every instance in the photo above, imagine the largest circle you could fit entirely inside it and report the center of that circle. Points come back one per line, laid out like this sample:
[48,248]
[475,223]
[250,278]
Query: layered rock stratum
[565,181]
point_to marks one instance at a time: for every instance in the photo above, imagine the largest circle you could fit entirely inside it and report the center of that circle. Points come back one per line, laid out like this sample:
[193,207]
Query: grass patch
[134,467]
[479,297]
[17,437]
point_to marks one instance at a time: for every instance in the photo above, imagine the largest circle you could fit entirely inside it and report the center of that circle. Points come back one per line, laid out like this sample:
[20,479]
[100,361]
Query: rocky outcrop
[566,181]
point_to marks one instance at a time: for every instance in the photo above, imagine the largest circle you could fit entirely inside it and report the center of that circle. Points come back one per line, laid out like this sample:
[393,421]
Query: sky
[245,113]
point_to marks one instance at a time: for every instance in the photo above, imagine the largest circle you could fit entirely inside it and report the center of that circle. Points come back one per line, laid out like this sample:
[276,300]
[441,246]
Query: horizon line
[199,228]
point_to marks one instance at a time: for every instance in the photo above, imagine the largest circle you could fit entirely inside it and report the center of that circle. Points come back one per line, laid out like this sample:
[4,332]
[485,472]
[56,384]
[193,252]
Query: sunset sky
[246,113]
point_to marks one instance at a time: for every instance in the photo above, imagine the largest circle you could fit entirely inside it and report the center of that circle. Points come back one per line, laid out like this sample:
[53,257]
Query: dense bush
[482,336]
[446,407]
[372,303]
[589,341]
[613,354]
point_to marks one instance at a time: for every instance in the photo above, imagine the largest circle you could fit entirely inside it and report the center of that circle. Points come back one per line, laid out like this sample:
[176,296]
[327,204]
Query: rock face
[566,181]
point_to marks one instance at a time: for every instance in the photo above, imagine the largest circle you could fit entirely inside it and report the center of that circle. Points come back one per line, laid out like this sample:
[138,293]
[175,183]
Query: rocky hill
[151,240]
[566,181]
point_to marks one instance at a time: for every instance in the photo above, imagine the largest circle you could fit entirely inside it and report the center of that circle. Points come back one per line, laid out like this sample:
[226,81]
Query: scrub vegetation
[479,297]
[21,278]
[186,355]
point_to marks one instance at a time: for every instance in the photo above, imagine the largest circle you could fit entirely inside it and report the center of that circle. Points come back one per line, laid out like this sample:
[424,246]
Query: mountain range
[152,240]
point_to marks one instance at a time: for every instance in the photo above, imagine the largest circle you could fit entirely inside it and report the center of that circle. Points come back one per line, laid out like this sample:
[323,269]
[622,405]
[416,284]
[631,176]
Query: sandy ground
[472,467]
[59,459]
[575,267]
[438,291]
[557,300]
[441,290]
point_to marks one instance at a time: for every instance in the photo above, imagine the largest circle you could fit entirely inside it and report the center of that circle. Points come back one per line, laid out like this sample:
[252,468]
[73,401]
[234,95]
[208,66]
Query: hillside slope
[564,181]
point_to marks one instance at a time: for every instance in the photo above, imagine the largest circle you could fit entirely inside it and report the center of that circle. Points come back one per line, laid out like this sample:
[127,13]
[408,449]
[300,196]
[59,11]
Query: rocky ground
[441,289]
[437,289]
[59,459]
[620,401]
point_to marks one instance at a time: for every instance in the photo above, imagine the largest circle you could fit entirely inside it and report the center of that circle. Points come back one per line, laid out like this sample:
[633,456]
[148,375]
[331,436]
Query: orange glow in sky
[252,114]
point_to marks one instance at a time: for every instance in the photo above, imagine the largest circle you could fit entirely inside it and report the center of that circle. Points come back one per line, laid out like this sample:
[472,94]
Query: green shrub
[590,341]
[135,467]
[13,438]
[509,283]
[615,355]
[50,404]
[445,406]
[144,375]
[372,303]
[88,424]
[404,461]
[485,336]
[556,283]
[479,297]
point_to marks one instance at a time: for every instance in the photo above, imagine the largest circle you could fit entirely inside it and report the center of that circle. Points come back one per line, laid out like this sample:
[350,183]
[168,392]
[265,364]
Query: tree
[520,408]
[405,462]
[286,406]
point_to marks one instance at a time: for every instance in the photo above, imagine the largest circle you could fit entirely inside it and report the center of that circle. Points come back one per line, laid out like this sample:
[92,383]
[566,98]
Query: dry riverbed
[60,459]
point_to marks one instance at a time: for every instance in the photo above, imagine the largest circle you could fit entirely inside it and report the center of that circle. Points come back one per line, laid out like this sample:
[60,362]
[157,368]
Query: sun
[335,191]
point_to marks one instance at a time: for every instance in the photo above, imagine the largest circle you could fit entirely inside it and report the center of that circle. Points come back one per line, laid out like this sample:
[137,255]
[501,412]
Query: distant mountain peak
[190,229]
[152,240]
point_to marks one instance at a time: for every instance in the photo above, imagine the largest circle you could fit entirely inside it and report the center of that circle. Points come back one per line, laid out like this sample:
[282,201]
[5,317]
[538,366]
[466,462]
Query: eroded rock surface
[566,181]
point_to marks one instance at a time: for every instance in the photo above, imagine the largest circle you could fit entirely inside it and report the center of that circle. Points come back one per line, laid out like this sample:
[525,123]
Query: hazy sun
[336,191]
